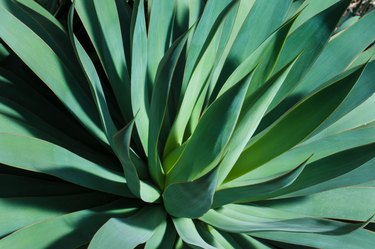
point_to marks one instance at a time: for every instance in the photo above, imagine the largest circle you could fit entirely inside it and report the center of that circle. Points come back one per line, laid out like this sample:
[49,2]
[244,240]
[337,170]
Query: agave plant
[186,124]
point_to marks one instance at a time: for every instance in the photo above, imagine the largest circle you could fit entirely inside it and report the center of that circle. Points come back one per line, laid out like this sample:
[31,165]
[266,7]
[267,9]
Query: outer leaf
[22,93]
[310,39]
[47,27]
[19,212]
[264,56]
[357,240]
[94,81]
[253,32]
[362,173]
[287,132]
[255,192]
[331,204]
[320,147]
[246,219]
[330,168]
[338,54]
[20,120]
[310,9]
[362,91]
[36,54]
[12,185]
[137,229]
[101,20]
[67,231]
[42,156]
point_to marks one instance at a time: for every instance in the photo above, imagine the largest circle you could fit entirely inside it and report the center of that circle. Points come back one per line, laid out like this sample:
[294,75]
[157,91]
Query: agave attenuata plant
[186,124]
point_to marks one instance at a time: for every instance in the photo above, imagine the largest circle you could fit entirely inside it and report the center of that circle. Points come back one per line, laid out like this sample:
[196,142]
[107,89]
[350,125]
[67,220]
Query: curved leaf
[188,232]
[121,145]
[286,132]
[158,108]
[67,231]
[138,229]
[41,156]
[207,145]
[190,199]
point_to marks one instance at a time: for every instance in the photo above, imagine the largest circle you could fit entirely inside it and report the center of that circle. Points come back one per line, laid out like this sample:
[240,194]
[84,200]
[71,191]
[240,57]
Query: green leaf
[36,54]
[202,52]
[207,145]
[361,92]
[364,57]
[246,241]
[16,119]
[218,239]
[47,27]
[104,30]
[164,236]
[21,93]
[254,31]
[357,240]
[159,35]
[267,51]
[140,188]
[196,91]
[310,9]
[360,174]
[137,228]
[321,146]
[187,13]
[247,193]
[331,204]
[226,43]
[188,232]
[158,107]
[254,108]
[245,219]
[125,14]
[3,52]
[41,156]
[331,167]
[212,15]
[139,89]
[190,199]
[67,231]
[338,54]
[94,81]
[308,39]
[287,132]
[19,212]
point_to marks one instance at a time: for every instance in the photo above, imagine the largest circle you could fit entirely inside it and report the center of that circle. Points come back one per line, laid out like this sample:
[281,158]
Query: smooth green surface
[186,124]
[138,229]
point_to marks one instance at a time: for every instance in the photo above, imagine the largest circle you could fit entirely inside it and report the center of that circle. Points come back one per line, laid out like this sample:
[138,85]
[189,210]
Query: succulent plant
[186,124]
